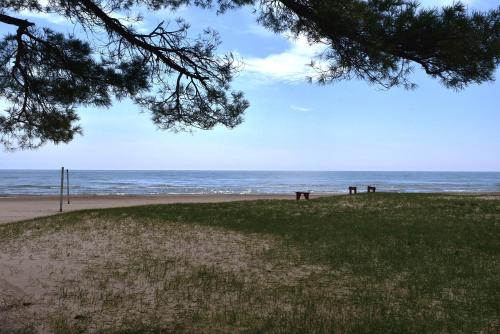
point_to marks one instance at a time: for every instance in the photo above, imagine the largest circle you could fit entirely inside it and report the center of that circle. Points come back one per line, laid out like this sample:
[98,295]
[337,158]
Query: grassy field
[370,263]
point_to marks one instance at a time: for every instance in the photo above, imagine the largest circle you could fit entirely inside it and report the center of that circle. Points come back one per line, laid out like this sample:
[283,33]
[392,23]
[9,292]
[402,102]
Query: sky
[291,124]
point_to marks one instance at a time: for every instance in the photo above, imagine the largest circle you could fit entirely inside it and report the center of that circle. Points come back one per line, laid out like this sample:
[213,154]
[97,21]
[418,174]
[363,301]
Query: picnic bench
[371,189]
[353,190]
[298,194]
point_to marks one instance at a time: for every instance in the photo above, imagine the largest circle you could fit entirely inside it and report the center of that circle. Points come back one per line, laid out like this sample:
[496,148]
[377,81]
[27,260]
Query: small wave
[236,182]
[15,186]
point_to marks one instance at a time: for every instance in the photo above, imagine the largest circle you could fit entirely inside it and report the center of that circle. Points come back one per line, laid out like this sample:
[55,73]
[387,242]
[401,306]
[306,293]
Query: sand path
[26,207]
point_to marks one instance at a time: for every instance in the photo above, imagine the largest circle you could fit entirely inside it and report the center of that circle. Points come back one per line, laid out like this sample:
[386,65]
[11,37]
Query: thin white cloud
[50,17]
[289,66]
[259,30]
[297,108]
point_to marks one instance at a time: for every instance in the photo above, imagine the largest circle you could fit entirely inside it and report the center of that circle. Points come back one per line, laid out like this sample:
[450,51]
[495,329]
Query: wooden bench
[371,189]
[353,190]
[300,193]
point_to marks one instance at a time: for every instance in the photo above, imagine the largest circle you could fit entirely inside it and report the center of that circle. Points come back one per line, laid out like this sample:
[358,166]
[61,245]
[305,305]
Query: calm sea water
[46,182]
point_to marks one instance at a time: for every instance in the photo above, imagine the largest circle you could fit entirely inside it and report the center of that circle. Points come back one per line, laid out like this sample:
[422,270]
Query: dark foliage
[183,82]
[45,75]
[378,40]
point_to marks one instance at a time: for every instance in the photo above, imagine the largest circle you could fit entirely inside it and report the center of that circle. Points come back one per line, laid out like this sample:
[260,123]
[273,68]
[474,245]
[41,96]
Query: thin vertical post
[67,182]
[62,186]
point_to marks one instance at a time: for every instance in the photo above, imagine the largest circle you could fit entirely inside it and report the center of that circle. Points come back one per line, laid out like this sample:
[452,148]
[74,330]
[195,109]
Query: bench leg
[306,195]
[297,196]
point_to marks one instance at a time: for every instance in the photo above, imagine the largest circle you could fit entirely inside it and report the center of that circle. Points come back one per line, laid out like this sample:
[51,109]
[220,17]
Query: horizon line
[254,170]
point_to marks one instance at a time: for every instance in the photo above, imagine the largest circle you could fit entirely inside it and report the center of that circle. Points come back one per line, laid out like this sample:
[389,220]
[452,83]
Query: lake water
[46,182]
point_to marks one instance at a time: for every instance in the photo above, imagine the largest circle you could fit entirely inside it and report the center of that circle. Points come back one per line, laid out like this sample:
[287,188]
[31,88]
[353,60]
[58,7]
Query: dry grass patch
[107,274]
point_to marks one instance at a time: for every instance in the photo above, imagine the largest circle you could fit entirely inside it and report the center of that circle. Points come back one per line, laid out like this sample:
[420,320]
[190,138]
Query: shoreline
[23,207]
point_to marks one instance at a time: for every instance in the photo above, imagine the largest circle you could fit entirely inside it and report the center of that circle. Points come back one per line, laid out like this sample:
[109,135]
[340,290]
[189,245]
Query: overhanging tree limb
[115,26]
[183,82]
[377,40]
[15,21]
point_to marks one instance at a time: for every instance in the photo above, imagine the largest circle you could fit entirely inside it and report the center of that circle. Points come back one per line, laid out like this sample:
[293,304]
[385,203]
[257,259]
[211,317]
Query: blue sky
[291,124]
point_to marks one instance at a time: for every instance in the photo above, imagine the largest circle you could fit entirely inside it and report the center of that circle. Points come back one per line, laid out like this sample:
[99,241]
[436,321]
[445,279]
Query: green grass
[390,263]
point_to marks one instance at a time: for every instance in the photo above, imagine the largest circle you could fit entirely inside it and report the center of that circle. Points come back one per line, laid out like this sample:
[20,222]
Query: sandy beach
[178,266]
[17,208]
[26,207]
